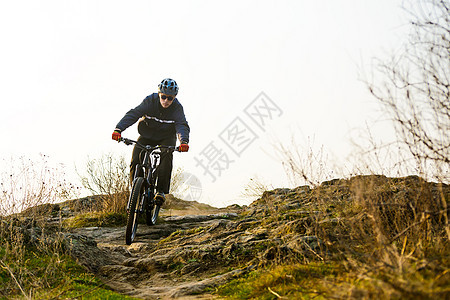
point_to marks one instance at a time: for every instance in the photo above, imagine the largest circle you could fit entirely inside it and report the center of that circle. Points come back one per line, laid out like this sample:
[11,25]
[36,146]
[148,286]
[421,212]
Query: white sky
[69,70]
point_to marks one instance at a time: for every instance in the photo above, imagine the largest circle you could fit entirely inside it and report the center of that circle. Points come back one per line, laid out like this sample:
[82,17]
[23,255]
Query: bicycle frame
[143,188]
[148,167]
[149,164]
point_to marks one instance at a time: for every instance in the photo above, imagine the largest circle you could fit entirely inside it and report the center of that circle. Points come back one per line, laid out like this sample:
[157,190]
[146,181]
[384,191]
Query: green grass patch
[324,281]
[48,276]
[97,219]
[290,281]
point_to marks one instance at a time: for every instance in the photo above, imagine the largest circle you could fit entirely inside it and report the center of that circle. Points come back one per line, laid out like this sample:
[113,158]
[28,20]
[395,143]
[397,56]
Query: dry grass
[29,188]
[377,238]
[34,262]
[390,237]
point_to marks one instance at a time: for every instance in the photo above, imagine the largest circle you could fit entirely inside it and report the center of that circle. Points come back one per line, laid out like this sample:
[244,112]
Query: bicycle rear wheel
[133,213]
[150,204]
[152,209]
[152,212]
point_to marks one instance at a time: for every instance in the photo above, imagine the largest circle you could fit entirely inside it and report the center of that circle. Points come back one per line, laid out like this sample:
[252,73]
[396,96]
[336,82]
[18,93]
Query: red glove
[183,148]
[116,135]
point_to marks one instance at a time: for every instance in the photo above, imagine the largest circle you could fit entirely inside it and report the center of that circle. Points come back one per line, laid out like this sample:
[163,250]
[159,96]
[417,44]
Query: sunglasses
[164,97]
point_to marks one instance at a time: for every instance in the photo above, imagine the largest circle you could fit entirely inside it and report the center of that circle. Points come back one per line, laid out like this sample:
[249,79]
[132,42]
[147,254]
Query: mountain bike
[143,189]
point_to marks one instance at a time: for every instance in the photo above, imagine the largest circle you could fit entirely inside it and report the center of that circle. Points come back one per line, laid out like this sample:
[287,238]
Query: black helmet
[168,86]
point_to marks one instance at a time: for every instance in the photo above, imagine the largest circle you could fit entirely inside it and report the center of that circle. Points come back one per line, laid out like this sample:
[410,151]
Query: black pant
[165,166]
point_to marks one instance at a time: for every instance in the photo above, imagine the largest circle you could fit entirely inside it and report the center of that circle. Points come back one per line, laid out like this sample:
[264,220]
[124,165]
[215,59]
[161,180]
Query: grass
[383,238]
[297,281]
[41,275]
[33,261]
[331,280]
[96,219]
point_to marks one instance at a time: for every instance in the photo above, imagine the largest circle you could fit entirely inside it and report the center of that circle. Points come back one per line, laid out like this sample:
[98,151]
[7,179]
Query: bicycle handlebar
[149,148]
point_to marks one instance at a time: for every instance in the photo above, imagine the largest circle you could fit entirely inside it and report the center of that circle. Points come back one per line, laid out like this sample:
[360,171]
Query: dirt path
[149,269]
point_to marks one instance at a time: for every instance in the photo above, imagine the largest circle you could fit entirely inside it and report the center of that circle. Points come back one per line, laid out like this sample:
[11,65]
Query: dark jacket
[157,123]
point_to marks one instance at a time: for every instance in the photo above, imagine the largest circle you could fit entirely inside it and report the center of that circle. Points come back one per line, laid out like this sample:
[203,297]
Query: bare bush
[27,183]
[177,188]
[30,190]
[413,87]
[304,163]
[394,231]
[108,177]
[255,188]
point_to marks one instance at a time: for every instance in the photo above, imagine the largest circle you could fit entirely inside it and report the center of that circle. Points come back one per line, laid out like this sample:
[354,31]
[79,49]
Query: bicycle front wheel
[133,213]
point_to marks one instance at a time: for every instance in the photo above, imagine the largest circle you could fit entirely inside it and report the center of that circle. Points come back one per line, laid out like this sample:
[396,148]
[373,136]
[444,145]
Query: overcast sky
[251,74]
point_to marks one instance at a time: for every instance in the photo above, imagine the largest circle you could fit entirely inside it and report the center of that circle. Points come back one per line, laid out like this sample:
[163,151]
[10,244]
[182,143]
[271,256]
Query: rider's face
[165,100]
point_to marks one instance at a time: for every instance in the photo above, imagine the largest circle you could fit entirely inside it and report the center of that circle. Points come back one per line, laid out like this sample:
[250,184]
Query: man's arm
[181,126]
[133,115]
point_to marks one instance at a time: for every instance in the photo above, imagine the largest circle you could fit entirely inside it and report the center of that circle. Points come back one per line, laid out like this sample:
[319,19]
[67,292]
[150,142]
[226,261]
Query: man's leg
[165,167]
[165,172]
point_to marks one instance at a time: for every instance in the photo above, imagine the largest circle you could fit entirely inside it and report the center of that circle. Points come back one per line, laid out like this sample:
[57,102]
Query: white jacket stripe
[159,120]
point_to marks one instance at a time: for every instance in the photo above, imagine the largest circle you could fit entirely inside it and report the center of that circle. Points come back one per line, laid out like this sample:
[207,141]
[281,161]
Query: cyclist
[162,121]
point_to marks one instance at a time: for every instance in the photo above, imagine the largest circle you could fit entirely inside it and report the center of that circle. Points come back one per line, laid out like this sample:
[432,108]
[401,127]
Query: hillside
[363,237]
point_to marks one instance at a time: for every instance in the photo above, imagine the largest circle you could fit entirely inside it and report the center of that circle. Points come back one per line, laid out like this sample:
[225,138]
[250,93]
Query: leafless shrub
[28,183]
[255,188]
[181,184]
[304,163]
[388,229]
[108,177]
[413,87]
[30,189]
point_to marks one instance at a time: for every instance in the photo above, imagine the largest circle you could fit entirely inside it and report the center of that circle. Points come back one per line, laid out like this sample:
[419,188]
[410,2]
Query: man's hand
[116,135]
[183,148]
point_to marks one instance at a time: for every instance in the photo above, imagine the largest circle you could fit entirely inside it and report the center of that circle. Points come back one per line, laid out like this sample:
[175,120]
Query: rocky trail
[146,269]
[195,248]
[191,251]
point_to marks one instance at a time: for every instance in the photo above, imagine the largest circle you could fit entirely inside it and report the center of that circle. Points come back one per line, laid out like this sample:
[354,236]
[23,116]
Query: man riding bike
[162,121]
